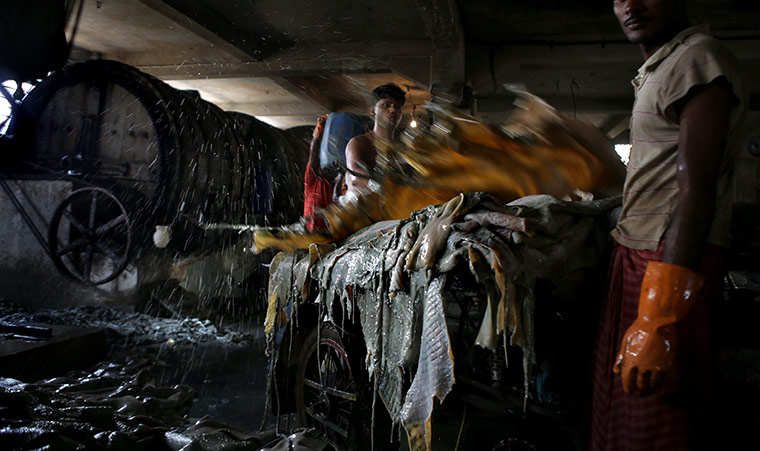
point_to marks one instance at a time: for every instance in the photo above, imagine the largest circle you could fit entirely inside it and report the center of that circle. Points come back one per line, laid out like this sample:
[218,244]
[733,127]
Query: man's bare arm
[358,151]
[704,122]
[314,155]
[316,143]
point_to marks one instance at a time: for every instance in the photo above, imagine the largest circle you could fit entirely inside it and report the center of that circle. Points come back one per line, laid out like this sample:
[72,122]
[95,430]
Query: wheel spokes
[112,254]
[330,390]
[326,422]
[87,263]
[75,246]
[73,221]
[93,210]
[122,218]
[99,236]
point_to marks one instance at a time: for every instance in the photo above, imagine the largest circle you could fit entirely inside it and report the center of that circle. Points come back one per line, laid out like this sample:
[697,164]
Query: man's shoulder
[701,57]
[361,143]
[701,37]
[362,140]
[702,45]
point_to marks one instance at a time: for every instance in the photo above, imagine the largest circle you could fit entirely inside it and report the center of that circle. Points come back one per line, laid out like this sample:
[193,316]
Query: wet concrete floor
[230,381]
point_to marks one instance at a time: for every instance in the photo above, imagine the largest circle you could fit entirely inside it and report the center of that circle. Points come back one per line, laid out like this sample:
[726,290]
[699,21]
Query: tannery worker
[653,384]
[385,110]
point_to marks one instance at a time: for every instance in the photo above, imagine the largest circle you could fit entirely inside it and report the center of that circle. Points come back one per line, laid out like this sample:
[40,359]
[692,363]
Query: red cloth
[659,422]
[317,193]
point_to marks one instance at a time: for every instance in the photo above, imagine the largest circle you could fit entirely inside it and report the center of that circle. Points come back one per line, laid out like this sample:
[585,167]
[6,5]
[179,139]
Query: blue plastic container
[339,129]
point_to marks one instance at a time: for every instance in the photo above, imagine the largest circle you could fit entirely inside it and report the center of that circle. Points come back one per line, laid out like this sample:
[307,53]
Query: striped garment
[650,194]
[678,421]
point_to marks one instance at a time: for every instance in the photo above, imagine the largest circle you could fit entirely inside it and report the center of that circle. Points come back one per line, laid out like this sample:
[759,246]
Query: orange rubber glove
[646,355]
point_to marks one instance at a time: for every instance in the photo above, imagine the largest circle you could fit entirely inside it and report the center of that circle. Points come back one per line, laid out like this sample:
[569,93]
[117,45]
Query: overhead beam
[314,97]
[616,125]
[299,69]
[410,58]
[273,108]
[245,52]
[269,69]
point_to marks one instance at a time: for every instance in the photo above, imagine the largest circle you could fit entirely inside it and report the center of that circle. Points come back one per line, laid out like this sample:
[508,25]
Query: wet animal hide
[395,273]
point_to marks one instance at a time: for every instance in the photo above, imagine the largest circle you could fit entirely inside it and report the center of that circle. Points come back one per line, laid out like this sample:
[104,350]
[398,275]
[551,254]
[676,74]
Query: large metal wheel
[90,236]
[326,392]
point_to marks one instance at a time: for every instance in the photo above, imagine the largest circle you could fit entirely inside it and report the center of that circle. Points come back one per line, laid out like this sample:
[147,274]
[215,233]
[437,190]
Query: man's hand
[649,346]
[316,142]
[320,127]
[645,357]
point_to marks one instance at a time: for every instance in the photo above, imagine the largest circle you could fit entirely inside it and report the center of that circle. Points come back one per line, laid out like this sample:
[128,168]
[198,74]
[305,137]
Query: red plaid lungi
[673,421]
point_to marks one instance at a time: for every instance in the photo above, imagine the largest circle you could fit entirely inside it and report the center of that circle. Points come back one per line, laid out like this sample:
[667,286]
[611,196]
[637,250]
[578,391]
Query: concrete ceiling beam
[273,108]
[269,69]
[360,49]
[202,30]
[410,58]
[313,97]
[615,125]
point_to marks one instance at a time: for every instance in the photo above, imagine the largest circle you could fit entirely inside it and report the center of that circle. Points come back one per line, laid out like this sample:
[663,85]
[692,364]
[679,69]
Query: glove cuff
[668,292]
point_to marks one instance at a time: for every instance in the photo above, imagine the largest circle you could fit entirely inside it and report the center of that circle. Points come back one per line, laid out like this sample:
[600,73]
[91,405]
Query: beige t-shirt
[650,194]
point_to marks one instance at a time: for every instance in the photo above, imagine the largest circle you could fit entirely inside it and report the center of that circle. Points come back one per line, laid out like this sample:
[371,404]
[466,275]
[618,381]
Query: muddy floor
[200,384]
[163,384]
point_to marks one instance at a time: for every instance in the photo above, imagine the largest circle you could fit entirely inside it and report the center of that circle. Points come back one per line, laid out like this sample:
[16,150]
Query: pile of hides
[395,272]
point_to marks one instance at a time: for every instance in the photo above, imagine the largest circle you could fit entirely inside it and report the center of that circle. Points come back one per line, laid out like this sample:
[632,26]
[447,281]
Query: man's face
[650,22]
[388,112]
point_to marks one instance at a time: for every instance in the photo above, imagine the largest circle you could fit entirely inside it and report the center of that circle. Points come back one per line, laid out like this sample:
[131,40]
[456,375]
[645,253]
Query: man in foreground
[361,153]
[653,362]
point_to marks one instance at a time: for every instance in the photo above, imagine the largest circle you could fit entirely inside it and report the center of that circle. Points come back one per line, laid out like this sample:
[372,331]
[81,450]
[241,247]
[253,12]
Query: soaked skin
[538,152]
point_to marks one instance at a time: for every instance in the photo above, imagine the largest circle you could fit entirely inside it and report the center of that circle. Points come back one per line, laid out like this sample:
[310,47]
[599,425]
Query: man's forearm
[687,235]
[314,155]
